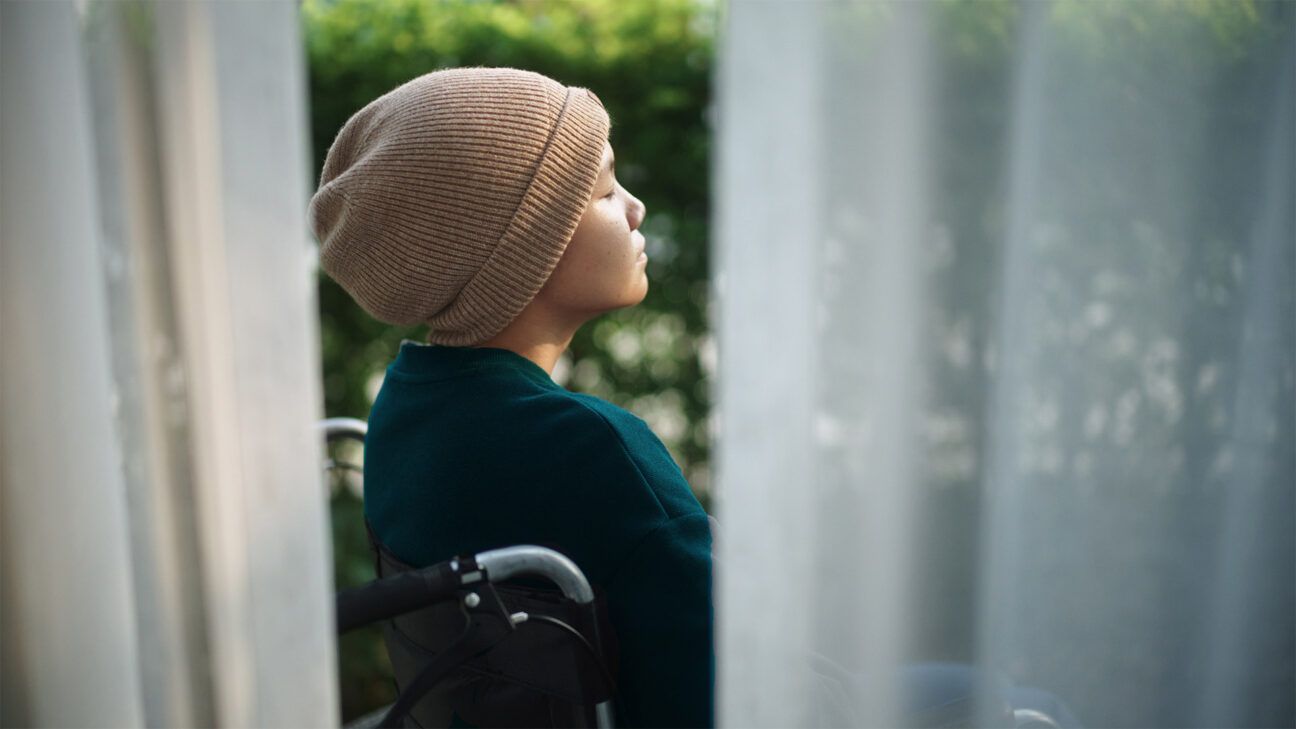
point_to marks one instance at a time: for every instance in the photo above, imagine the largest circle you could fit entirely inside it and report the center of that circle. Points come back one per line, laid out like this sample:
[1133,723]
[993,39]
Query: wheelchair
[479,637]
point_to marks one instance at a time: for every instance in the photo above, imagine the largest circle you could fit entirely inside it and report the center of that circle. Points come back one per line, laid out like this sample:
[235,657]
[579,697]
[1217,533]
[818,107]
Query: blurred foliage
[650,64]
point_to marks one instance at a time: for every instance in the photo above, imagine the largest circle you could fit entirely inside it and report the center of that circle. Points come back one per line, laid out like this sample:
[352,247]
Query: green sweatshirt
[472,449]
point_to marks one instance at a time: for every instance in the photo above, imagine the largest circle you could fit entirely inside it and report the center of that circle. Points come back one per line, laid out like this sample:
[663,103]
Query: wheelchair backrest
[536,676]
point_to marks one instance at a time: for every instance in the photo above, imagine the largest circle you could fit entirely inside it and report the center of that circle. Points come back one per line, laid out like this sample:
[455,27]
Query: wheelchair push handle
[396,595]
[552,565]
[411,590]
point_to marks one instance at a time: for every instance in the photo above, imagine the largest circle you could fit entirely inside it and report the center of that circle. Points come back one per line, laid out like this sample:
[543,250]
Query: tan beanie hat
[449,199]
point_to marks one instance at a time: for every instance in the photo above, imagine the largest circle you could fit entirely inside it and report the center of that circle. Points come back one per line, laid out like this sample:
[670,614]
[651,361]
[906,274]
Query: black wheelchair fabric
[538,676]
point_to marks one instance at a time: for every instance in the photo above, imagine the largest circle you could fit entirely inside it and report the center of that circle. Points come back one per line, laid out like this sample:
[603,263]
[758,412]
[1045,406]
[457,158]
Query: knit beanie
[449,199]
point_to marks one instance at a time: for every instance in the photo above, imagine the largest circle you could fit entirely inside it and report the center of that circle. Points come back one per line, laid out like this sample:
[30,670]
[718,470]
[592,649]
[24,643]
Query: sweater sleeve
[660,601]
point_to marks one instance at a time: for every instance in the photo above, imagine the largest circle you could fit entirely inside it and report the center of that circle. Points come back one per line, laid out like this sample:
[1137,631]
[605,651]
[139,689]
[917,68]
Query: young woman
[484,202]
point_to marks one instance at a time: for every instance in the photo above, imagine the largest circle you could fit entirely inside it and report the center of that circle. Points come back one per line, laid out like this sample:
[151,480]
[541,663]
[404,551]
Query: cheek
[599,247]
[599,244]
[608,217]
[579,266]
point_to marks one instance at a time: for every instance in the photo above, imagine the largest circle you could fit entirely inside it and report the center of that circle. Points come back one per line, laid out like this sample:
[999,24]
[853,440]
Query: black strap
[473,642]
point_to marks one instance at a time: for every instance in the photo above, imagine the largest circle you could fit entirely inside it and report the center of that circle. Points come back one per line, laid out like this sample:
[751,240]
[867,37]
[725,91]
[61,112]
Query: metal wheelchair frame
[468,579]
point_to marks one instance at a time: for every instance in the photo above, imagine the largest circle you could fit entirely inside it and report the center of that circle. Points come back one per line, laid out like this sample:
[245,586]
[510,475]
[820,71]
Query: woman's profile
[483,202]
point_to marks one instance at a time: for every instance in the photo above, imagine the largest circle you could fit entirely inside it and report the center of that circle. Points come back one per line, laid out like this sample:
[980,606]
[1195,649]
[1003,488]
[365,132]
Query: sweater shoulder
[642,449]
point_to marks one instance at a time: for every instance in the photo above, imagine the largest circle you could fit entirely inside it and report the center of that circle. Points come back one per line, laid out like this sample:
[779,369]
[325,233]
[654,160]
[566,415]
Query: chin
[634,299]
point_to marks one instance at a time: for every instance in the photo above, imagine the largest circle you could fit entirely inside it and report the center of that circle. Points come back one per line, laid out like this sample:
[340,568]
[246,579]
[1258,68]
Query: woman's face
[603,267]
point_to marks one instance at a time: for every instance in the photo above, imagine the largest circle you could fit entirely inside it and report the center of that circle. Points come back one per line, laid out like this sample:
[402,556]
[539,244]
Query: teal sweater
[471,449]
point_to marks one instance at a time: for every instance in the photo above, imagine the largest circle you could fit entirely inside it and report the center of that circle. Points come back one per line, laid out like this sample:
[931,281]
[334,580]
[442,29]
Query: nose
[635,212]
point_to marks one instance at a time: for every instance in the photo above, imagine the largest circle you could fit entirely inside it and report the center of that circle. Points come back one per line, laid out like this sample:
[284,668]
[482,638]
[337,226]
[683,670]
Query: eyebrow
[611,163]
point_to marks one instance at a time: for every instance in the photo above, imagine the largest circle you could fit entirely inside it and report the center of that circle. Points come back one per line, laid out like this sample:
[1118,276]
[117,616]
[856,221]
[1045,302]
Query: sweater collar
[437,361]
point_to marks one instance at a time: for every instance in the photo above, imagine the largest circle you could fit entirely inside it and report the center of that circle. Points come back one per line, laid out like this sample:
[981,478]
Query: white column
[823,218]
[235,173]
[165,545]
[768,176]
[69,630]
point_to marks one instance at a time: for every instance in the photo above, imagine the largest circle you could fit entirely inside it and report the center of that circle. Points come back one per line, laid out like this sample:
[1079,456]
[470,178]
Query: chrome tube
[335,428]
[502,564]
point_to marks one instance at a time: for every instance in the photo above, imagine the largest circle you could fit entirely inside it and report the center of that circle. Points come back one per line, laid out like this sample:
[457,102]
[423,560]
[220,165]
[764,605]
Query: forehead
[607,155]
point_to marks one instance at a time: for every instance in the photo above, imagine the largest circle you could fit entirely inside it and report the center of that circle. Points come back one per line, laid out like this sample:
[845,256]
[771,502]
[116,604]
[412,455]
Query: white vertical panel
[235,181]
[1015,274]
[1138,488]
[69,631]
[165,555]
[147,369]
[823,190]
[265,154]
[1018,302]
[1244,608]
[767,227]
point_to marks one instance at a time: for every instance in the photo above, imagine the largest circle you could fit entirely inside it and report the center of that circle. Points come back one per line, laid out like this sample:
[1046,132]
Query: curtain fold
[1007,357]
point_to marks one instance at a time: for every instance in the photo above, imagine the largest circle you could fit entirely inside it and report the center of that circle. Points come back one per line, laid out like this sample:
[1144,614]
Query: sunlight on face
[603,267]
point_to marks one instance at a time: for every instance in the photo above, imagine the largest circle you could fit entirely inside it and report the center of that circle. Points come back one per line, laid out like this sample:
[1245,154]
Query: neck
[537,334]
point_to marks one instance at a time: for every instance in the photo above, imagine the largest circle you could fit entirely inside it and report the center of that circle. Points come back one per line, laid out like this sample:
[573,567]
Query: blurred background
[970,320]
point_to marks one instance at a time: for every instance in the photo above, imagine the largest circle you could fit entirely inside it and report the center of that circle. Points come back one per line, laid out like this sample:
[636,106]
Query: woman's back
[471,449]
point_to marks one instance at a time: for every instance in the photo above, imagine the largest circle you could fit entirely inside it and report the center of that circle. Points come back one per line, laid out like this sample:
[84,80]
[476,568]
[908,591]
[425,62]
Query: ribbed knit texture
[450,199]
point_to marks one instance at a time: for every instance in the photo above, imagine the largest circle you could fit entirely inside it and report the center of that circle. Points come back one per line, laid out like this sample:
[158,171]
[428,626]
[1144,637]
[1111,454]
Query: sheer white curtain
[1007,357]
[164,555]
